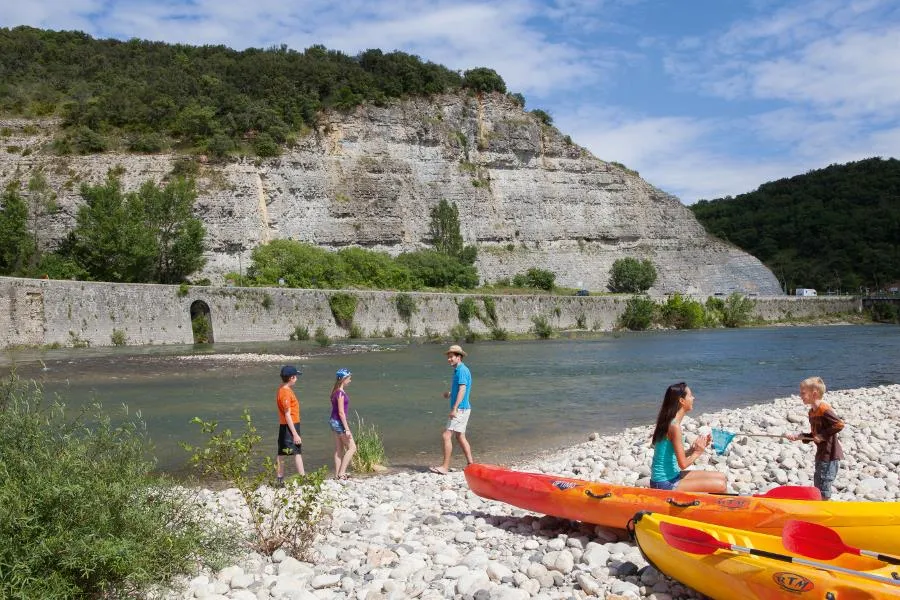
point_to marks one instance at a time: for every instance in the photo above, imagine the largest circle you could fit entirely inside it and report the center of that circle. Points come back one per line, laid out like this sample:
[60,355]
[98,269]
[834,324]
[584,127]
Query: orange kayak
[872,525]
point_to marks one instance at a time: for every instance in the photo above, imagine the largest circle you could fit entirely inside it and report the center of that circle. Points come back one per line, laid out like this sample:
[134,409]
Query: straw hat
[456,349]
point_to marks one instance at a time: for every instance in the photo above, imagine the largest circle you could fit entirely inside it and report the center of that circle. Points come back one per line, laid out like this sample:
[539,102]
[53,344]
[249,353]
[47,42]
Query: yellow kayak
[735,564]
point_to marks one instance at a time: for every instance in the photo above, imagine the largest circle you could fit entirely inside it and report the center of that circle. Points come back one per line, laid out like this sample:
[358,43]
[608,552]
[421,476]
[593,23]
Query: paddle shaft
[808,563]
[891,560]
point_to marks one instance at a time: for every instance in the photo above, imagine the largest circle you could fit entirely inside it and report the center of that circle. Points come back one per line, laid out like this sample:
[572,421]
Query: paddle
[695,541]
[818,541]
[793,492]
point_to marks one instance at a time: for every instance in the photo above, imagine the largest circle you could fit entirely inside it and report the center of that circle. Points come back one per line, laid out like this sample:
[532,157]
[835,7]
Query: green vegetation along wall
[834,229]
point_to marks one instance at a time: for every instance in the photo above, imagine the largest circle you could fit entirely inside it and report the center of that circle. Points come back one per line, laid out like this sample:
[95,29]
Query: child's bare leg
[298,460]
[349,451]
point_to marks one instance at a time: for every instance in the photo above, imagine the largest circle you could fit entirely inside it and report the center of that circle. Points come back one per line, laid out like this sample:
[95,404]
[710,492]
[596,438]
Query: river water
[527,396]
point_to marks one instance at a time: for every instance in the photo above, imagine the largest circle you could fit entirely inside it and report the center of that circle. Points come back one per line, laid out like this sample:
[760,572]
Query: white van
[805,292]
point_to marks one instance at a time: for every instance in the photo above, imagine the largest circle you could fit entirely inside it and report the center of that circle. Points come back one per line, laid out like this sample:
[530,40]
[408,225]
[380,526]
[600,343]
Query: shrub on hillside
[631,276]
[438,270]
[81,513]
[539,279]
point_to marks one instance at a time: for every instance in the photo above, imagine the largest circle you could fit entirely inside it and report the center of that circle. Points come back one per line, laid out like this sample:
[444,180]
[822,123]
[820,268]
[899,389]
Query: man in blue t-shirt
[459,409]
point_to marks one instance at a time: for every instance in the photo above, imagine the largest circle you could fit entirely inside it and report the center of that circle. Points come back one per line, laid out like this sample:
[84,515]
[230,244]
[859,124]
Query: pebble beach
[421,535]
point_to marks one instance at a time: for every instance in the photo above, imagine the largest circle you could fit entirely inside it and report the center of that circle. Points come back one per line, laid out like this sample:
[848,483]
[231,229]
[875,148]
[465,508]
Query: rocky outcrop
[527,196]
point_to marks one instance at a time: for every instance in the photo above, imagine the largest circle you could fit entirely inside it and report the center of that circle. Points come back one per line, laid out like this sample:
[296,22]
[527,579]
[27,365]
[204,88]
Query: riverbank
[414,534]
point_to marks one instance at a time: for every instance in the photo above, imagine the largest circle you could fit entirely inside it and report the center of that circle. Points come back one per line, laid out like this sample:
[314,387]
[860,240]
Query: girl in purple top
[344,446]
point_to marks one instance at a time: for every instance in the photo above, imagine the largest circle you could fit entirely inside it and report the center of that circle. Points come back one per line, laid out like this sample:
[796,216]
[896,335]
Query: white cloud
[853,75]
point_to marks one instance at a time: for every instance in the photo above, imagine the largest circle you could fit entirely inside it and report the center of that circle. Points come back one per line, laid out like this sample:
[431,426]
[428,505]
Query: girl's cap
[342,373]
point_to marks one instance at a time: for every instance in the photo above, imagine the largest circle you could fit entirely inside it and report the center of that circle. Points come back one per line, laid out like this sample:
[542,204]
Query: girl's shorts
[337,426]
[668,485]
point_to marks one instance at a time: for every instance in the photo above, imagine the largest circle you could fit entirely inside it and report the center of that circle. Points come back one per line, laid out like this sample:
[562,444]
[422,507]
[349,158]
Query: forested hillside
[833,229]
[147,96]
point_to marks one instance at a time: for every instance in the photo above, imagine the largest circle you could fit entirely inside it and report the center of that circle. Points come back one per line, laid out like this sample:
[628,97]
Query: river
[527,396]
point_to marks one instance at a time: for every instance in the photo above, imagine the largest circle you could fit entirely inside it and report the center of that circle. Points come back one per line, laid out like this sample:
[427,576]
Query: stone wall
[37,312]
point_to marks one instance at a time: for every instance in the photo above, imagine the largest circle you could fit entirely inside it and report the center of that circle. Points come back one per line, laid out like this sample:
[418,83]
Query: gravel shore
[421,535]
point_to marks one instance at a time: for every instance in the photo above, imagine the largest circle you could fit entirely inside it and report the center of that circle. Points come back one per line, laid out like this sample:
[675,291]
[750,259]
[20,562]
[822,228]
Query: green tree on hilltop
[483,79]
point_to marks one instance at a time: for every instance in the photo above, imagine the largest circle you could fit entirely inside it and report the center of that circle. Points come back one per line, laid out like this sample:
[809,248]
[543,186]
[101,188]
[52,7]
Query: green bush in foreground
[286,518]
[81,514]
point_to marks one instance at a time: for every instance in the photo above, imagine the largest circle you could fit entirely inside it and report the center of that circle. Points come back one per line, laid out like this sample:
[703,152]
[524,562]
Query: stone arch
[201,322]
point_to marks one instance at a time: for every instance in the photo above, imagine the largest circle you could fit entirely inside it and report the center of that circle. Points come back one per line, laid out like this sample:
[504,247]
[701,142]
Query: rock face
[527,196]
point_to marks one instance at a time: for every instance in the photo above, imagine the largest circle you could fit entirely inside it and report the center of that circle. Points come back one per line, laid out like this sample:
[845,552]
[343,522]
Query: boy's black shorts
[286,445]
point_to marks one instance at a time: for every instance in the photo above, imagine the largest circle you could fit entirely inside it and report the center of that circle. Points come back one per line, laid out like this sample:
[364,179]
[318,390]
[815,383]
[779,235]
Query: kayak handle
[591,494]
[674,502]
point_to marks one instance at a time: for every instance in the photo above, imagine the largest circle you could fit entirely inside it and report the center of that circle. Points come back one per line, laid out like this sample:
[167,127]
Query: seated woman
[669,457]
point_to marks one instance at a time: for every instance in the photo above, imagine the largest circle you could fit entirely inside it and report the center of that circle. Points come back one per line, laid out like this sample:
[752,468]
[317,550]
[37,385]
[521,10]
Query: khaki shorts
[460,421]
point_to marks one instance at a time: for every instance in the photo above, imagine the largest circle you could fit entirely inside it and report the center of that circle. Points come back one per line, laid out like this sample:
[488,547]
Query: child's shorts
[286,445]
[337,426]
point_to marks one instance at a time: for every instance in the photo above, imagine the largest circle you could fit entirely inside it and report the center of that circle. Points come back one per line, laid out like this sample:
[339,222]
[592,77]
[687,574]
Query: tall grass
[369,447]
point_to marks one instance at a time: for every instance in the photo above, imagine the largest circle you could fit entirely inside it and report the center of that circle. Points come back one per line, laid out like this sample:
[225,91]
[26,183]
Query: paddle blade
[813,540]
[721,439]
[688,539]
[793,492]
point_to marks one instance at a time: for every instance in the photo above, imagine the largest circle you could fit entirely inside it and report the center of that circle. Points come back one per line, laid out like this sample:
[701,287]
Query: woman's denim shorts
[337,426]
[668,485]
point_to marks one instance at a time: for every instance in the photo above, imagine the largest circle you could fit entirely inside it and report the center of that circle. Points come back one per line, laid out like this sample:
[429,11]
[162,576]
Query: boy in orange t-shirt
[289,442]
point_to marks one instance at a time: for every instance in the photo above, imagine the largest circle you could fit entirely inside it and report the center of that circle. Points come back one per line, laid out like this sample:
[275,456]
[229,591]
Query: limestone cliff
[527,196]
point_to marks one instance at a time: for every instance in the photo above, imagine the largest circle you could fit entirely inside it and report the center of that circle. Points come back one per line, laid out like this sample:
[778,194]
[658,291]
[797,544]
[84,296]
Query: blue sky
[705,98]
